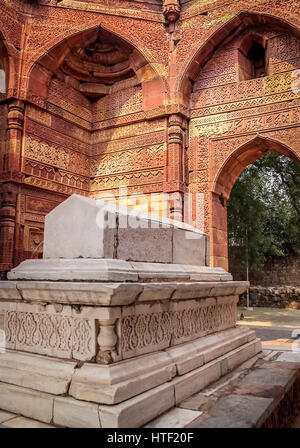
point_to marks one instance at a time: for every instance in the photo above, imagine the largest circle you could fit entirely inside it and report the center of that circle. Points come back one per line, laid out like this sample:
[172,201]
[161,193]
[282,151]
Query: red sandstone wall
[228,113]
[183,122]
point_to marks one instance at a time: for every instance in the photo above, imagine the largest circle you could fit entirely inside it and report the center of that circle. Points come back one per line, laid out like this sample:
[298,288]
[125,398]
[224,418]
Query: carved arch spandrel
[204,47]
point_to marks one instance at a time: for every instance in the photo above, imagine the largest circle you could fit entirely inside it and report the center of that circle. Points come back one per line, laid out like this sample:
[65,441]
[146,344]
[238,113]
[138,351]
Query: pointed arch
[233,28]
[46,65]
[243,156]
[7,66]
[233,166]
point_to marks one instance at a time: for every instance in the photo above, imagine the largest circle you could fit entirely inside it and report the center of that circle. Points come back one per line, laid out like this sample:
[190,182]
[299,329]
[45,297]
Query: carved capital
[8,203]
[9,194]
[12,176]
[175,129]
[15,117]
[107,340]
[171,10]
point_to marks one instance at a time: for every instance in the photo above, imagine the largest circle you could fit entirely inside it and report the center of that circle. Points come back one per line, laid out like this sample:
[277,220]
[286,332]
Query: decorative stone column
[15,121]
[7,225]
[11,177]
[176,174]
[107,340]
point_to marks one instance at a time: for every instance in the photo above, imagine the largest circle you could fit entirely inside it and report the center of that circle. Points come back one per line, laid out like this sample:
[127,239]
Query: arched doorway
[263,213]
[85,129]
[243,102]
[226,177]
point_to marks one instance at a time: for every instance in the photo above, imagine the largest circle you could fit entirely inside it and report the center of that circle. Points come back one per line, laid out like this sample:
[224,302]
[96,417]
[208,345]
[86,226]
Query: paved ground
[9,420]
[268,334]
[272,318]
[274,326]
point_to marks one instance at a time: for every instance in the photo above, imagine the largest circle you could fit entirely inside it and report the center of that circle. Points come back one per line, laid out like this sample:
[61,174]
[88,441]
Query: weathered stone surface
[4,416]
[176,418]
[36,372]
[23,422]
[138,410]
[145,245]
[194,381]
[75,414]
[220,348]
[192,355]
[208,289]
[187,357]
[203,273]
[192,290]
[156,291]
[235,411]
[118,382]
[189,248]
[289,357]
[157,271]
[81,227]
[198,402]
[9,291]
[28,402]
[272,376]
[77,269]
[71,231]
[80,293]
[110,270]
[240,355]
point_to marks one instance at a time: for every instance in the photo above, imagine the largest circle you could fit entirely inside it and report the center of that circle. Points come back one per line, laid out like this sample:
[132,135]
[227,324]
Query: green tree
[264,210]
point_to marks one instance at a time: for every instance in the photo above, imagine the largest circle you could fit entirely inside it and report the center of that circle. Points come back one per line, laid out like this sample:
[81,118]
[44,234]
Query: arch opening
[264,217]
[253,64]
[255,150]
[256,56]
[4,65]
[244,156]
[86,124]
[94,62]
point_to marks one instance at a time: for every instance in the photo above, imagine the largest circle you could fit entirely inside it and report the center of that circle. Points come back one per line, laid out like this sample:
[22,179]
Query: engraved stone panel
[144,333]
[50,334]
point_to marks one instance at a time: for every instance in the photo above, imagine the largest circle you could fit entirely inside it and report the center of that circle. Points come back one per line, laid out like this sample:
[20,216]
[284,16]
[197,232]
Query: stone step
[117,382]
[265,397]
[132,413]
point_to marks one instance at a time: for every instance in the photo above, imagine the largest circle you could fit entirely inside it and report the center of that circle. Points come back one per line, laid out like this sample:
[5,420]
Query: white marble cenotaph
[119,322]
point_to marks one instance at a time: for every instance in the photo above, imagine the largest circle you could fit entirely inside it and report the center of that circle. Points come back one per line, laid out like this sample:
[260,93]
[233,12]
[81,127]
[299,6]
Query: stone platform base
[69,394]
[264,391]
